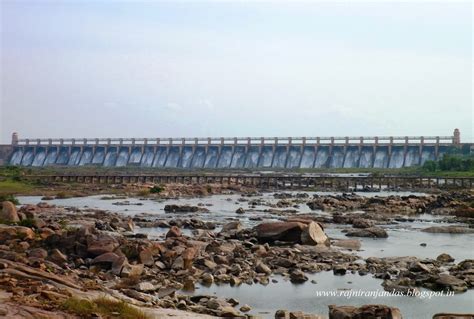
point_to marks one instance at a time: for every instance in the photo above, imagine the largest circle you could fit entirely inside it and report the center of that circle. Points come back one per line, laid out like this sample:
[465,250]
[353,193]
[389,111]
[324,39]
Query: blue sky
[159,69]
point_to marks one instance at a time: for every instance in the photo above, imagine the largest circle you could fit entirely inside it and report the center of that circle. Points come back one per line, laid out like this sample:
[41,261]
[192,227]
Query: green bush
[10,198]
[156,189]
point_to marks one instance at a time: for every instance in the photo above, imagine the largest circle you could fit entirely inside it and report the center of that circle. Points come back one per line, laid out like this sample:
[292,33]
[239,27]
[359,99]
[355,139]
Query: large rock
[450,283]
[8,212]
[366,312]
[374,232]
[101,244]
[295,232]
[174,232]
[314,234]
[15,232]
[173,208]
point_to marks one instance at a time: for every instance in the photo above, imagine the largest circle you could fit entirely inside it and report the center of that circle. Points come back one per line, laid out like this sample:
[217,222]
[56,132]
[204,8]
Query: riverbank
[193,252]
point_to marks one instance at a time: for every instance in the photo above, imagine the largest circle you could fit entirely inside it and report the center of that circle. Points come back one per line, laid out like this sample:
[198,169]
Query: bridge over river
[231,153]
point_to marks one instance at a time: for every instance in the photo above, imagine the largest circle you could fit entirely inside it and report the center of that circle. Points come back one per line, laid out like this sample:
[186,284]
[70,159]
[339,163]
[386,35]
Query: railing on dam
[273,181]
[241,140]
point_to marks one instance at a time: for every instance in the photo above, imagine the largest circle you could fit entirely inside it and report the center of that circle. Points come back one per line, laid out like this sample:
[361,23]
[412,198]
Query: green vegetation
[451,163]
[103,306]
[156,189]
[29,222]
[8,197]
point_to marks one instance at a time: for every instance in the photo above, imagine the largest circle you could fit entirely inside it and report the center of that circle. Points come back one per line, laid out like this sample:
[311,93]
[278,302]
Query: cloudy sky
[148,69]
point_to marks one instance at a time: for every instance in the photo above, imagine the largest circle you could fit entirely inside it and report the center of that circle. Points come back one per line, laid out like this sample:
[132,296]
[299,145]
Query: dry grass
[104,306]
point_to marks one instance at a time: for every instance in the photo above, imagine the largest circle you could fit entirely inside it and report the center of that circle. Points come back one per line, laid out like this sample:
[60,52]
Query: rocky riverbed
[240,253]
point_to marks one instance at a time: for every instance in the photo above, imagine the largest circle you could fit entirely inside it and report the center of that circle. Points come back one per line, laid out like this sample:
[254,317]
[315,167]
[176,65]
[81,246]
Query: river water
[404,240]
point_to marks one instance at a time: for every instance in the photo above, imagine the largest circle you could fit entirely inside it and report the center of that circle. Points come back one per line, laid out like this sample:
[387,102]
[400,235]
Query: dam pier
[278,153]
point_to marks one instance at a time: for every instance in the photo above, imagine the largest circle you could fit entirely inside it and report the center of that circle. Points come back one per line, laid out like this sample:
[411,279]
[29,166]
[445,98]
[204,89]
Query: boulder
[262,268]
[366,311]
[295,232]
[9,213]
[282,314]
[362,223]
[231,226]
[313,234]
[374,232]
[101,244]
[15,232]
[240,210]
[174,232]
[173,208]
[57,257]
[450,283]
[445,258]
[347,243]
[39,253]
[297,276]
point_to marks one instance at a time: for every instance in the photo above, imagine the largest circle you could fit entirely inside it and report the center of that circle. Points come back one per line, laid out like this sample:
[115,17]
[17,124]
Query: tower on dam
[232,153]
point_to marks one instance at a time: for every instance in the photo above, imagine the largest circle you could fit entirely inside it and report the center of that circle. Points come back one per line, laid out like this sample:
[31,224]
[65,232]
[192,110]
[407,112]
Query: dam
[278,153]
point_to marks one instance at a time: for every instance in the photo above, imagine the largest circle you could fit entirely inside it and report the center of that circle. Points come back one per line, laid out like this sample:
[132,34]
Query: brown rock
[146,257]
[313,234]
[15,232]
[101,244]
[374,232]
[174,232]
[283,231]
[57,257]
[445,258]
[367,311]
[8,212]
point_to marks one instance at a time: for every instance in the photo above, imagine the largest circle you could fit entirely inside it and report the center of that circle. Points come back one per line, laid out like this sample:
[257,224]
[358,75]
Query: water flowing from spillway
[51,157]
[322,157]
[294,157]
[135,156]
[39,158]
[398,157]
[148,157]
[99,156]
[253,156]
[122,158]
[238,160]
[86,157]
[351,159]
[381,157]
[279,160]
[111,157]
[199,157]
[366,158]
[412,156]
[266,157]
[16,157]
[211,157]
[225,158]
[75,156]
[428,154]
[337,158]
[308,157]
[160,157]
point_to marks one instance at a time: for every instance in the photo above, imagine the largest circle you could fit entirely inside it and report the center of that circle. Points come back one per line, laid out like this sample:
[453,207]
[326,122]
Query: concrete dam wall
[232,153]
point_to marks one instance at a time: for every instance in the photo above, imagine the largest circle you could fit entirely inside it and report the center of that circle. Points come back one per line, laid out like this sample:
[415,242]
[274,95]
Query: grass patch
[29,222]
[9,187]
[9,198]
[103,306]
